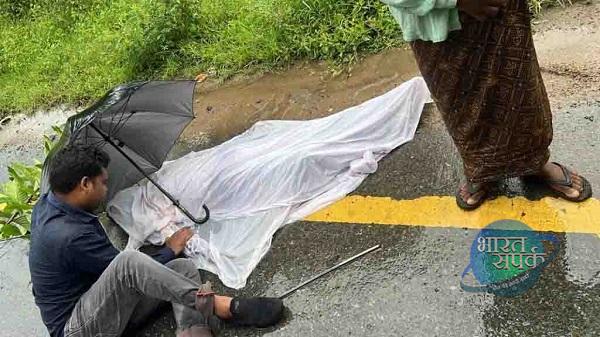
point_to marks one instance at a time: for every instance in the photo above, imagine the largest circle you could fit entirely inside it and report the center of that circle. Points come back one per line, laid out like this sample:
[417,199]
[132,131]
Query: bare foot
[471,198]
[473,194]
[552,172]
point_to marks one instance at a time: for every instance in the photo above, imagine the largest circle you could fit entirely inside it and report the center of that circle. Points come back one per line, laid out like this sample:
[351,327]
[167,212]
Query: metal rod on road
[293,290]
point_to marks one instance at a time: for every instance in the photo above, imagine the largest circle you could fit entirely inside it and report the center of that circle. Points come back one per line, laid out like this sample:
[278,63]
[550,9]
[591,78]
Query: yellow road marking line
[547,214]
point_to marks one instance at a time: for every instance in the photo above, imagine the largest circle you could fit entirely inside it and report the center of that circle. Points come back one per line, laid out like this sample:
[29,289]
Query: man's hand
[178,240]
[481,9]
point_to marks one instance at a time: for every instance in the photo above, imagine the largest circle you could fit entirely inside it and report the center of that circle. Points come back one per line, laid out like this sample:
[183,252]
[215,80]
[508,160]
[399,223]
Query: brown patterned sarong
[486,82]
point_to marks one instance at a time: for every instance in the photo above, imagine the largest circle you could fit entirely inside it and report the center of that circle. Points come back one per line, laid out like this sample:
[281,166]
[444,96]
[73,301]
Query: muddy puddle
[303,92]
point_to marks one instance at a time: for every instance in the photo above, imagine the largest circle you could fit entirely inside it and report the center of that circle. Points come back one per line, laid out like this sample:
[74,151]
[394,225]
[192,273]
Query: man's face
[95,190]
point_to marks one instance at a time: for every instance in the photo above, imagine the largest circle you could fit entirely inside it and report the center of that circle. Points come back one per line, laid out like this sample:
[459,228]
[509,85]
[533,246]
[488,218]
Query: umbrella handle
[191,217]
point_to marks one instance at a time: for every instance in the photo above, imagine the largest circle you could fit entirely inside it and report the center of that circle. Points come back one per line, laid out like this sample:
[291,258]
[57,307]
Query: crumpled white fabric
[275,173]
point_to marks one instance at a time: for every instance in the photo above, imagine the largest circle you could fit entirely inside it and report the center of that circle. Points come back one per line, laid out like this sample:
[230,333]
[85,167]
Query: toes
[465,195]
[475,197]
[573,193]
[463,192]
[577,184]
[568,191]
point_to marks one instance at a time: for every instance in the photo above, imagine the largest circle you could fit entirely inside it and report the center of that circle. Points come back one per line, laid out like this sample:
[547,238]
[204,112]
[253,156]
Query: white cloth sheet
[275,173]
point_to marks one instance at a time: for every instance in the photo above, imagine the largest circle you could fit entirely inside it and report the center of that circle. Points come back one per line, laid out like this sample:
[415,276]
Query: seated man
[85,287]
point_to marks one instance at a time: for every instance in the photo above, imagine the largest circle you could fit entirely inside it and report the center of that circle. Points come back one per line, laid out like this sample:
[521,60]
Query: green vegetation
[19,194]
[55,51]
[17,198]
[65,51]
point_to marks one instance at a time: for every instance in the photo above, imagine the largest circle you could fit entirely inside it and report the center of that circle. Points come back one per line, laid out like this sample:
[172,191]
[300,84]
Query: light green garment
[427,20]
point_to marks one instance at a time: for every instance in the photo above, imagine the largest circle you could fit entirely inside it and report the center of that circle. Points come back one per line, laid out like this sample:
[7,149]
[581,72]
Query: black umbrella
[137,124]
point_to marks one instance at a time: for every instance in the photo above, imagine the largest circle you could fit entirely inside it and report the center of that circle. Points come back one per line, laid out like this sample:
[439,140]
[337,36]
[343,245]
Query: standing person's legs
[486,82]
[184,317]
[106,308]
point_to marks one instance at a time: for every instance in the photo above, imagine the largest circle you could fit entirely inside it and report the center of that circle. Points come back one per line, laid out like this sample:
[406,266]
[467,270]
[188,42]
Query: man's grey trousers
[129,290]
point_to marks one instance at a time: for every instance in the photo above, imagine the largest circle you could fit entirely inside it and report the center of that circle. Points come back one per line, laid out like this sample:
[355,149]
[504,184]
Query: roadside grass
[68,51]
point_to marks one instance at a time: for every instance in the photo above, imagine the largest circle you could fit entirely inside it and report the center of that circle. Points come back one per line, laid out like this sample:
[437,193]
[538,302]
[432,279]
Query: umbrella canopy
[137,124]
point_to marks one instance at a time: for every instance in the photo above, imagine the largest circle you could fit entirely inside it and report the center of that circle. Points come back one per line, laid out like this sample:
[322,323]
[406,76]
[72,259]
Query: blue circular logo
[508,257]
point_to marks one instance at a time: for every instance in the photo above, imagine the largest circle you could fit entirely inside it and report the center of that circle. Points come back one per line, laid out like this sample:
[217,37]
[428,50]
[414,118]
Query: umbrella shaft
[167,194]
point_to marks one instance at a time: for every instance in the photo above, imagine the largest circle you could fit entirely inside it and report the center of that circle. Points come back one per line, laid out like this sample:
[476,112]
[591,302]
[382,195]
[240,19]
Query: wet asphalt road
[412,286]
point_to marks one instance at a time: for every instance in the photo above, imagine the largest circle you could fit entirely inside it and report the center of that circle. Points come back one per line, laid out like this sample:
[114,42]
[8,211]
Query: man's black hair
[73,162]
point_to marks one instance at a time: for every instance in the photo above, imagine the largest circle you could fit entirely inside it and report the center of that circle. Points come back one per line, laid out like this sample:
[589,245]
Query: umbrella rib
[116,127]
[122,123]
[94,143]
[89,137]
[119,125]
[98,143]
[123,110]
[120,111]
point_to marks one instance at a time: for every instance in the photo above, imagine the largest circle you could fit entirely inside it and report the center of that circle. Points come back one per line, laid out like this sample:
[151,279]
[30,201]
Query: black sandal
[586,188]
[472,188]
